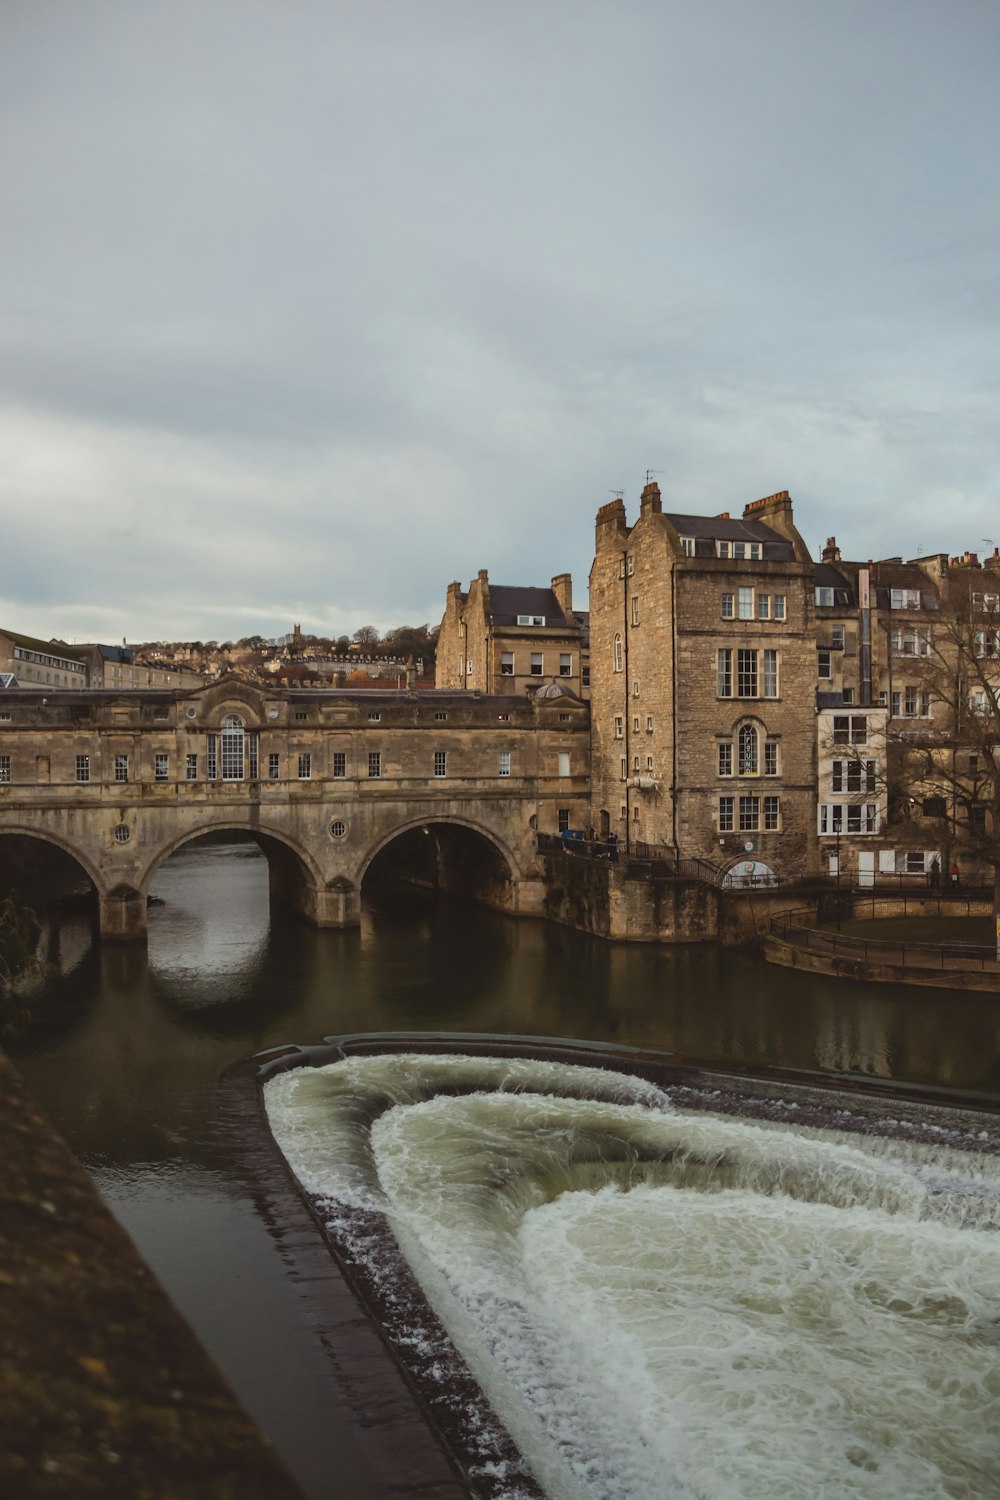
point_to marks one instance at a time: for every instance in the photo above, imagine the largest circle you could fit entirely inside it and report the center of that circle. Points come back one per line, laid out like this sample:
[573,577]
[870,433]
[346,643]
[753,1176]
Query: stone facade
[499,639]
[909,656]
[58,665]
[48,663]
[323,780]
[703,663]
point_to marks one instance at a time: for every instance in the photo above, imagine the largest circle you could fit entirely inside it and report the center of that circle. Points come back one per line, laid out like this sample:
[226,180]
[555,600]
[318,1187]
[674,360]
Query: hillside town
[769,713]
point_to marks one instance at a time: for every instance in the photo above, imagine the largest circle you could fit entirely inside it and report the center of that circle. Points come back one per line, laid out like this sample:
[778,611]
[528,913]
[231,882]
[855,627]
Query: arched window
[618,654]
[232,748]
[748,750]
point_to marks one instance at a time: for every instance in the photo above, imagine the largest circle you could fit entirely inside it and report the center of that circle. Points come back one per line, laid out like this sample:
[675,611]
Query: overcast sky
[309,307]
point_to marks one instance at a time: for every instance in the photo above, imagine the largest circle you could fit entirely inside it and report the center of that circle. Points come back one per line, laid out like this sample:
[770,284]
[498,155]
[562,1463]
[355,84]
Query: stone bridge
[325,781]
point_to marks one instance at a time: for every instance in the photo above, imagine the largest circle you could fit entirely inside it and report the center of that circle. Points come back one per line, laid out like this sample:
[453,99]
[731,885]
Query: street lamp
[837,819]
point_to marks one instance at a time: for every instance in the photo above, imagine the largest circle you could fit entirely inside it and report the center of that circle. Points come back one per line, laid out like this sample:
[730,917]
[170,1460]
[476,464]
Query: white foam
[662,1304]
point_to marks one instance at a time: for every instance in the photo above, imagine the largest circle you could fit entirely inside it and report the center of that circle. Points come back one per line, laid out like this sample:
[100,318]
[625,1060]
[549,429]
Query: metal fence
[799,929]
[643,861]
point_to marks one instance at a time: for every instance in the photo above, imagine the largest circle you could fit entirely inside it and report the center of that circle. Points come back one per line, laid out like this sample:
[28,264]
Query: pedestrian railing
[799,929]
[643,861]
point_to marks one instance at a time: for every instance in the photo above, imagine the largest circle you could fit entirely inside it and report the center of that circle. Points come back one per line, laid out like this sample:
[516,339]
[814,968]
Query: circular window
[272,713]
[122,834]
[338,828]
[192,713]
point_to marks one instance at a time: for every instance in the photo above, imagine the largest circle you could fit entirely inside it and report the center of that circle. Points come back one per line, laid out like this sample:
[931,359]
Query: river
[128,1066]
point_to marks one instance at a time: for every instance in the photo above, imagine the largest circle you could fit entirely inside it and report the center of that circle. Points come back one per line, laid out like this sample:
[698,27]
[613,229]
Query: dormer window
[904,598]
[741,551]
[687,546]
[531,619]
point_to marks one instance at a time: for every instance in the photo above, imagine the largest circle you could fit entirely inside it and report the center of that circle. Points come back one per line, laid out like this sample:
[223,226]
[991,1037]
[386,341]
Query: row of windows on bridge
[232,762]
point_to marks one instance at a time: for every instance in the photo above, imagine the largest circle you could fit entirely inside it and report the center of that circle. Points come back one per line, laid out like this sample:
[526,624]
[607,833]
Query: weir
[624,1265]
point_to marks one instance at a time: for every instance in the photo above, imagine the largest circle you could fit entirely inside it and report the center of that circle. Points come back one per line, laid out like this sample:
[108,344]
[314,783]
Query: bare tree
[943,748]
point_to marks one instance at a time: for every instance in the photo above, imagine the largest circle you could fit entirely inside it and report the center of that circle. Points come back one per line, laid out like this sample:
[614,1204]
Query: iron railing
[798,928]
[644,861]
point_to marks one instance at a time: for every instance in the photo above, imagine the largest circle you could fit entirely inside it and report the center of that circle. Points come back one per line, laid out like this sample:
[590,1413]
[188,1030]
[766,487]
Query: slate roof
[707,530]
[893,573]
[506,603]
[123,655]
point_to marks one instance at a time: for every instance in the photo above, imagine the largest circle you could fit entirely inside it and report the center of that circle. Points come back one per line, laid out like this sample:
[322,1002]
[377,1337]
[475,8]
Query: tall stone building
[909,669]
[703,672]
[500,639]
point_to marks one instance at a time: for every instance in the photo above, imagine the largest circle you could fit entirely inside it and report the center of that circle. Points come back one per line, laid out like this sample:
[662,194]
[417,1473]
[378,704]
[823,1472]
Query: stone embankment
[104,1390]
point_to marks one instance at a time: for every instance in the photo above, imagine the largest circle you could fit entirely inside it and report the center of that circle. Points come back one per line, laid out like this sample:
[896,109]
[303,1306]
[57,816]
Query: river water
[129,1066]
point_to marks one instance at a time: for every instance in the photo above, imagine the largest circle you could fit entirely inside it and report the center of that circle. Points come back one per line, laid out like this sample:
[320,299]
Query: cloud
[310,309]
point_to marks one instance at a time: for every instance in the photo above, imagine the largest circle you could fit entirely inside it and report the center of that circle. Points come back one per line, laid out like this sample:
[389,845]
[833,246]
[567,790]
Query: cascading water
[664,1302]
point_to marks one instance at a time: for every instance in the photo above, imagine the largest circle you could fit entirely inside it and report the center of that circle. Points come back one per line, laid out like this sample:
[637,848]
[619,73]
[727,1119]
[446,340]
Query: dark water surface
[129,1072]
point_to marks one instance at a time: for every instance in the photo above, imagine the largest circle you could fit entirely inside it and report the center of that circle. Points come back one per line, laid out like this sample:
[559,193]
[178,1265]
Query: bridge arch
[293,875]
[461,856]
[411,825]
[264,833]
[46,836]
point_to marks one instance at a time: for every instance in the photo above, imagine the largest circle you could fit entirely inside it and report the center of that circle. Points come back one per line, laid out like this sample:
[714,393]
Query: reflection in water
[666,1303]
[129,1076]
[210,953]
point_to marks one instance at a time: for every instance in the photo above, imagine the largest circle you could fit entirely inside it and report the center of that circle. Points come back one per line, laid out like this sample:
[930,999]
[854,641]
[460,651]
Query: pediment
[230,694]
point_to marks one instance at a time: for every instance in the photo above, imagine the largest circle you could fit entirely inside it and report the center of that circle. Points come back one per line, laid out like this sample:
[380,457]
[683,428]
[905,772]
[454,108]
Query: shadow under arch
[22,834]
[452,854]
[293,876]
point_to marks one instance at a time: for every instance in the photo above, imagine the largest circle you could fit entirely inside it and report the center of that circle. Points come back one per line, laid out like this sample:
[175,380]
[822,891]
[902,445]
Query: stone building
[58,665]
[703,670]
[118,667]
[909,667]
[47,663]
[501,639]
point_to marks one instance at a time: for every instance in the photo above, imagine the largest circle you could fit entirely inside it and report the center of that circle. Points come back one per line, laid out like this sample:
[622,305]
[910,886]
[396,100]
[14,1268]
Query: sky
[308,307]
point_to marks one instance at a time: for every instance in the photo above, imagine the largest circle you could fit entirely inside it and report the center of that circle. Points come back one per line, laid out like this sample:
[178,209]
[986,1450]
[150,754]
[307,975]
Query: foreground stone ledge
[104,1390]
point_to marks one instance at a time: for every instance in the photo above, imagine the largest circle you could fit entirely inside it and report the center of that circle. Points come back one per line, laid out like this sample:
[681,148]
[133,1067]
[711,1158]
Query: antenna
[988,541]
[651,472]
[618,494]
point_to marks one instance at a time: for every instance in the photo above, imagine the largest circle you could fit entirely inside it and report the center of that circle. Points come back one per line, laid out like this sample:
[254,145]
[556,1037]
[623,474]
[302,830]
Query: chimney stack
[562,587]
[651,504]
